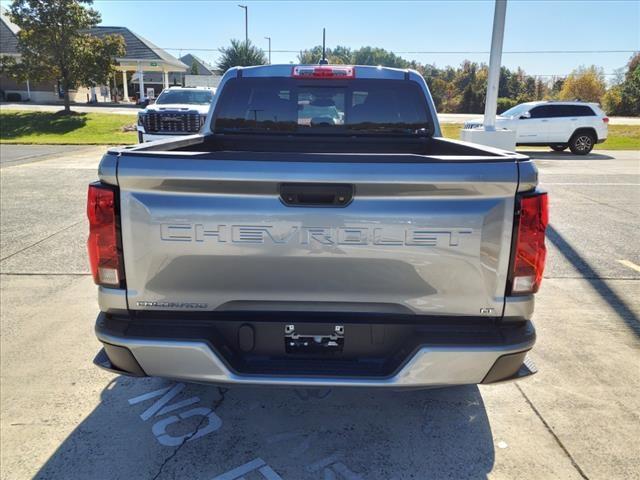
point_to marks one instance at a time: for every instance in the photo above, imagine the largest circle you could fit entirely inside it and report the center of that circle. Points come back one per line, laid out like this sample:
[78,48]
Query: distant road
[131,110]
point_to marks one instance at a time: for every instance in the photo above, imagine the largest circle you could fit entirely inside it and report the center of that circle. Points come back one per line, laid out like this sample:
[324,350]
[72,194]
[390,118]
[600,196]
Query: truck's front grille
[172,122]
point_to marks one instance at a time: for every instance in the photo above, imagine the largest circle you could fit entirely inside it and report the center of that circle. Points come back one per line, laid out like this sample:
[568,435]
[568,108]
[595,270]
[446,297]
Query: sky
[400,26]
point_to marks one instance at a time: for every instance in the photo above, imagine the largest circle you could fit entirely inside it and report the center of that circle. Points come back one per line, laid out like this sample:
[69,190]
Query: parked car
[559,125]
[318,231]
[177,111]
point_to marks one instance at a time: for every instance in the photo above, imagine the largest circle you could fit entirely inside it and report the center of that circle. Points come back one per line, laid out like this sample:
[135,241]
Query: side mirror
[525,115]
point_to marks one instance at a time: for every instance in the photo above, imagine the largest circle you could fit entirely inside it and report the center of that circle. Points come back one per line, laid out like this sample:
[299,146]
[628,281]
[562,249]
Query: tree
[377,56]
[556,87]
[54,42]
[586,84]
[630,88]
[336,56]
[612,101]
[240,54]
[194,68]
[362,56]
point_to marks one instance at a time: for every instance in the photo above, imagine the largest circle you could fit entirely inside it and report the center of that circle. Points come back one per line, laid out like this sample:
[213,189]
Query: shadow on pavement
[299,434]
[589,273]
[544,155]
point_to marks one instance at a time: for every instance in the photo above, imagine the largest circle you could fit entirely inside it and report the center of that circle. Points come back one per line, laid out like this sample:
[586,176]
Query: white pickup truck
[319,231]
[177,111]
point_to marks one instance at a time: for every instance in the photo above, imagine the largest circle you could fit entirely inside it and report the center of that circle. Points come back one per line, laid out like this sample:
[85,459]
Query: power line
[524,52]
[443,52]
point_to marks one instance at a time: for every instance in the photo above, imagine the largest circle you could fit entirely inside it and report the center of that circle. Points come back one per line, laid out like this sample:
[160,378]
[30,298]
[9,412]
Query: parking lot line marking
[630,264]
[166,398]
[314,467]
[176,406]
[238,472]
[147,396]
[343,470]
[268,473]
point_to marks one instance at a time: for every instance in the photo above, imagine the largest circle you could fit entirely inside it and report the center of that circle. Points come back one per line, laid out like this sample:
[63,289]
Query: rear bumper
[449,359]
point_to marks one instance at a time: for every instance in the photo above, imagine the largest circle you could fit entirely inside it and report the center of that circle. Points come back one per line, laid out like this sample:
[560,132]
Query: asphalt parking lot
[63,418]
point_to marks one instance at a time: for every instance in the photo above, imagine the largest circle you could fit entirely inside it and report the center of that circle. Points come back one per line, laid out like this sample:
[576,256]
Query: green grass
[78,129]
[107,129]
[621,137]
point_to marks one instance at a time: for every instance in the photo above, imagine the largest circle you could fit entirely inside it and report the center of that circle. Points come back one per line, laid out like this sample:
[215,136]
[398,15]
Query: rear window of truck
[283,105]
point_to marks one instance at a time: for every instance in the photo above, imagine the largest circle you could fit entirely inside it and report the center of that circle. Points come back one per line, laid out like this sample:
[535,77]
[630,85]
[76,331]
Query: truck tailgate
[424,237]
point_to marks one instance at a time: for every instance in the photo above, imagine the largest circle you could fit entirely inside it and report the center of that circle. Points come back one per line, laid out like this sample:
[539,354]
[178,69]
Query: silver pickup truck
[319,231]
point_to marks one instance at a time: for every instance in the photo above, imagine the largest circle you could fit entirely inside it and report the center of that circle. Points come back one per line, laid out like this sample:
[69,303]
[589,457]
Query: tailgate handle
[316,194]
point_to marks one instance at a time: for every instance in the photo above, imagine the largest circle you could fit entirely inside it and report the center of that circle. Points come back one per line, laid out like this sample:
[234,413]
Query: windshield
[185,96]
[517,110]
[273,105]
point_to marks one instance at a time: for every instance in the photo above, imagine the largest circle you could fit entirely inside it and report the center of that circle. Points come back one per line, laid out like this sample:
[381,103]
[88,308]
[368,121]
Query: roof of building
[8,35]
[136,47]
[204,68]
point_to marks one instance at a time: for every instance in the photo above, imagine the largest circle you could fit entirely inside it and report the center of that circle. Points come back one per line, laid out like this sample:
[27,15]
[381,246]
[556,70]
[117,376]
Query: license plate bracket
[307,342]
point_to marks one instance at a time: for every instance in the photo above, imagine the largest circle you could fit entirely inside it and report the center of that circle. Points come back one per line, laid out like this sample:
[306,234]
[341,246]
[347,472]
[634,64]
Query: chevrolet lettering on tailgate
[259,234]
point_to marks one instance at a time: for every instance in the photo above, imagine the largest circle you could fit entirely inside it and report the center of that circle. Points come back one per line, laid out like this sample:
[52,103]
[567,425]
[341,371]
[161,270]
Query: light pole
[269,38]
[246,24]
[495,58]
[502,138]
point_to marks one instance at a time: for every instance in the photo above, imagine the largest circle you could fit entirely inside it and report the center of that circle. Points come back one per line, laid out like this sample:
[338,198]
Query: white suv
[576,125]
[177,111]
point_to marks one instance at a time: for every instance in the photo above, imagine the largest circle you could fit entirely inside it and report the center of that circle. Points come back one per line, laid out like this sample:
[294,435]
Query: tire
[582,143]
[559,148]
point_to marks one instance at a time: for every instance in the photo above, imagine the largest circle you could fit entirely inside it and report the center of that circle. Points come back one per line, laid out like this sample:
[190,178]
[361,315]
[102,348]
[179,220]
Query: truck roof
[359,71]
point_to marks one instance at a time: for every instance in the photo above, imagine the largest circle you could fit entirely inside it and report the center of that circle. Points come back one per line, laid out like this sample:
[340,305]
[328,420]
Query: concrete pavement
[61,417]
[15,155]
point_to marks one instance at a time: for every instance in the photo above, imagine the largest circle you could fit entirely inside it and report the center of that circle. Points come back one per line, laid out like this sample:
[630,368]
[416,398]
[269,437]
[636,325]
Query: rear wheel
[558,148]
[582,143]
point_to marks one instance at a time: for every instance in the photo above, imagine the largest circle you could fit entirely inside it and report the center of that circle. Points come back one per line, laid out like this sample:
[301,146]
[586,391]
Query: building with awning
[140,56]
[198,74]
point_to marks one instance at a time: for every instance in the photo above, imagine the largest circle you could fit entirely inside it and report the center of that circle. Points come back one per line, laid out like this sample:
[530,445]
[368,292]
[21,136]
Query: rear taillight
[104,256]
[324,71]
[530,251]
[605,119]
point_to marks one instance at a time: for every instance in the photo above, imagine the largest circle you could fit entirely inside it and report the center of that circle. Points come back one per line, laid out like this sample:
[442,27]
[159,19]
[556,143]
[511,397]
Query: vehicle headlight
[141,117]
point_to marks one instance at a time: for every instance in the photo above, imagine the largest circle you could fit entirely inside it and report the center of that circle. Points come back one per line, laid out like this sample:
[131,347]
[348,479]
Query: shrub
[612,100]
[505,104]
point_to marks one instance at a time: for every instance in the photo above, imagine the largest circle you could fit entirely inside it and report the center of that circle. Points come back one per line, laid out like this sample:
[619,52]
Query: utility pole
[495,59]
[246,24]
[503,138]
[269,38]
